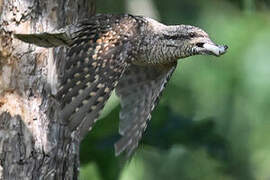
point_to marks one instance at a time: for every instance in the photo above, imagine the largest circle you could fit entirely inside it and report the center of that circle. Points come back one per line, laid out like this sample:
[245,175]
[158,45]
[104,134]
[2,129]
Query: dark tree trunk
[34,143]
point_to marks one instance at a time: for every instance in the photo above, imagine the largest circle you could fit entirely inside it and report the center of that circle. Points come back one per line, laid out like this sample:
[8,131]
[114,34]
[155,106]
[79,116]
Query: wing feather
[139,90]
[92,70]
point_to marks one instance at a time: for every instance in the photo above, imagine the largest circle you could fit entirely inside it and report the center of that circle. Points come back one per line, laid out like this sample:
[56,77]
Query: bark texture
[34,143]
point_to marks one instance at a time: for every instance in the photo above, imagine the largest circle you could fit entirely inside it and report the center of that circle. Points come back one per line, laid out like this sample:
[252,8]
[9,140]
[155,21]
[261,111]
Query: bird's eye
[200,45]
[192,35]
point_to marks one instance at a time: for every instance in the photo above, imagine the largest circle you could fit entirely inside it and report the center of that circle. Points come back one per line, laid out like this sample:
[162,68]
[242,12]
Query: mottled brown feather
[139,90]
[95,62]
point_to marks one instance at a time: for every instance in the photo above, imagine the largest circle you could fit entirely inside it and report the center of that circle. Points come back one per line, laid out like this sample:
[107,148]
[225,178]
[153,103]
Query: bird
[133,55]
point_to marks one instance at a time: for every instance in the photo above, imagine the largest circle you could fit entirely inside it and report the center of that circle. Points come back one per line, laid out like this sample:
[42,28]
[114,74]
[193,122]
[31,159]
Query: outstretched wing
[139,90]
[63,36]
[94,65]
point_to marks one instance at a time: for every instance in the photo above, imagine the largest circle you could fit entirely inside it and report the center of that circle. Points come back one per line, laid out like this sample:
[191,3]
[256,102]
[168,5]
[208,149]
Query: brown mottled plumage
[94,65]
[135,54]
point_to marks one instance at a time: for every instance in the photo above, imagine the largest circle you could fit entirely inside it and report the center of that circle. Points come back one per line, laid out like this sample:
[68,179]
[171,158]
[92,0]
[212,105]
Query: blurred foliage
[213,118]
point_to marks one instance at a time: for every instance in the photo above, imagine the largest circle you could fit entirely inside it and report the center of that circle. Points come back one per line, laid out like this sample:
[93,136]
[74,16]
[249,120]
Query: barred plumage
[135,54]
[139,90]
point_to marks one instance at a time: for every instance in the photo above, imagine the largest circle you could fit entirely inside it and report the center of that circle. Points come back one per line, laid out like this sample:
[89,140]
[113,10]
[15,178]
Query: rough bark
[34,143]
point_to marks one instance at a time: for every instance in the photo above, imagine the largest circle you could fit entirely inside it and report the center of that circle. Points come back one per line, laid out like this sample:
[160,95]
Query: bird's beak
[214,49]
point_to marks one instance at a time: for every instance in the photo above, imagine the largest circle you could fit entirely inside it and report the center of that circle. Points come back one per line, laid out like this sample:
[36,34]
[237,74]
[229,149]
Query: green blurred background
[213,120]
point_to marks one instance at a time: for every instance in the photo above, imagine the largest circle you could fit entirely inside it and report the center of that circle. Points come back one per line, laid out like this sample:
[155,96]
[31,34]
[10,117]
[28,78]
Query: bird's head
[188,40]
[169,43]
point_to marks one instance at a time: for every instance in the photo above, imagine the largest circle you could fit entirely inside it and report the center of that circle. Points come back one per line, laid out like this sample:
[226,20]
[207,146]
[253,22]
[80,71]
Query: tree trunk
[34,143]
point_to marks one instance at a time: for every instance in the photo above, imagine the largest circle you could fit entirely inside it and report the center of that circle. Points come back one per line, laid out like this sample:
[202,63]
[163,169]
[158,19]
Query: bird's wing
[53,39]
[63,36]
[94,64]
[139,90]
[60,37]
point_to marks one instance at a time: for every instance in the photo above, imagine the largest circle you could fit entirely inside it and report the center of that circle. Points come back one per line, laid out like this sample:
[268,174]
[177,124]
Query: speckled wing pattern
[139,90]
[94,65]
